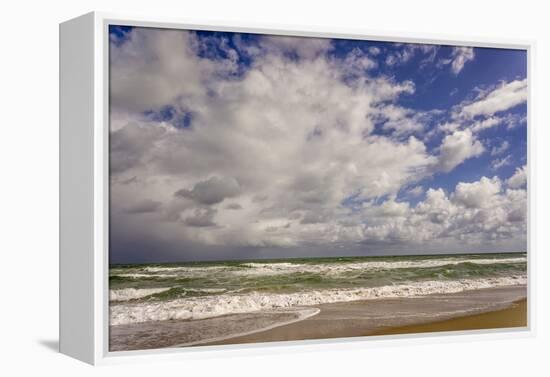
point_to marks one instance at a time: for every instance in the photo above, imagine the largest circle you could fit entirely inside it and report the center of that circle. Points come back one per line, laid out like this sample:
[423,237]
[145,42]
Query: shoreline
[189,333]
[372,318]
[311,313]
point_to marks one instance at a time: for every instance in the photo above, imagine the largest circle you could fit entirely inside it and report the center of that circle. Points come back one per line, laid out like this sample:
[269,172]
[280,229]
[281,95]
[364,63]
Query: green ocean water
[165,282]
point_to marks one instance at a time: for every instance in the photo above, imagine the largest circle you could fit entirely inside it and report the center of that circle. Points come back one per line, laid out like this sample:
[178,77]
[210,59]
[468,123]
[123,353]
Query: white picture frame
[84,191]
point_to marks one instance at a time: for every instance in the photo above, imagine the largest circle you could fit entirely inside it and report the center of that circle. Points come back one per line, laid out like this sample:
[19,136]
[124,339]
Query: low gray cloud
[211,191]
[128,145]
[202,217]
[144,206]
[234,206]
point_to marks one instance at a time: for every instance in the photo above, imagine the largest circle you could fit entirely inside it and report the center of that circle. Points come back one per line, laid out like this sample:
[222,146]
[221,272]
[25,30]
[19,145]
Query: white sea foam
[141,275]
[216,305]
[207,290]
[338,268]
[184,268]
[257,269]
[127,294]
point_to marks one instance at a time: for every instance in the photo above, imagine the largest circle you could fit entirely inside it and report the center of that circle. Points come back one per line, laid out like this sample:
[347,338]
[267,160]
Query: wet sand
[179,333]
[513,316]
[501,308]
[478,309]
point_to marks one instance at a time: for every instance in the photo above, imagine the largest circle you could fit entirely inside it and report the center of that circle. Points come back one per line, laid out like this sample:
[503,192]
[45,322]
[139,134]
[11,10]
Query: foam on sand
[188,333]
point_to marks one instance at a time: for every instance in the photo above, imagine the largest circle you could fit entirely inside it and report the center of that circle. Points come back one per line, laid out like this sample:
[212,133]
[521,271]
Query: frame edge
[76,190]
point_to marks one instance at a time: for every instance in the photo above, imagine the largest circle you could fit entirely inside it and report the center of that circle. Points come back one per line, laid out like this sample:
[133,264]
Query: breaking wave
[222,304]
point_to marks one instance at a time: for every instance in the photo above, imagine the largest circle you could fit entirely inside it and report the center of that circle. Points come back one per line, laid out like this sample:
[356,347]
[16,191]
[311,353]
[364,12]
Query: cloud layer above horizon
[227,145]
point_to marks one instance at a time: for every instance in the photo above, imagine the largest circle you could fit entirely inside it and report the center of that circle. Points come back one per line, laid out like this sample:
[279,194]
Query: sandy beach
[501,308]
[513,316]
[469,310]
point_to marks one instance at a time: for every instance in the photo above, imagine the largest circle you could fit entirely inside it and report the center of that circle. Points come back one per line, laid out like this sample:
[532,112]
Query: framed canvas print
[224,187]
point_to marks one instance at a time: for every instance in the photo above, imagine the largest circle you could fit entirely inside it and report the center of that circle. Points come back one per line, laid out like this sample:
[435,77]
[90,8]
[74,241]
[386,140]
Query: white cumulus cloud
[284,152]
[505,96]
[519,179]
[458,147]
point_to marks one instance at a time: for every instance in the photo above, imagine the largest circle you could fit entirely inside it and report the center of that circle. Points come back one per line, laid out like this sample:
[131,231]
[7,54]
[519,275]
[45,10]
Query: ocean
[198,290]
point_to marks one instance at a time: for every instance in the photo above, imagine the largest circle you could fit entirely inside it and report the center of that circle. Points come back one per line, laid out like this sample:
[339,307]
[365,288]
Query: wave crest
[217,305]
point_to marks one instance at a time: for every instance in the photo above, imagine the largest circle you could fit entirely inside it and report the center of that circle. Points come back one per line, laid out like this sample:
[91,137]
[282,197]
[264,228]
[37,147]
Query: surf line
[304,313]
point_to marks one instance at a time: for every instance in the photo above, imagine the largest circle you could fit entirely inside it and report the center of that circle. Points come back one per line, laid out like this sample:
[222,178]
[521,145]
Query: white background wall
[29,188]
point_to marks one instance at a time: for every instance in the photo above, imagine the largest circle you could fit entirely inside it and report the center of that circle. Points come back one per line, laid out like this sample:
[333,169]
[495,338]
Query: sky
[246,146]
